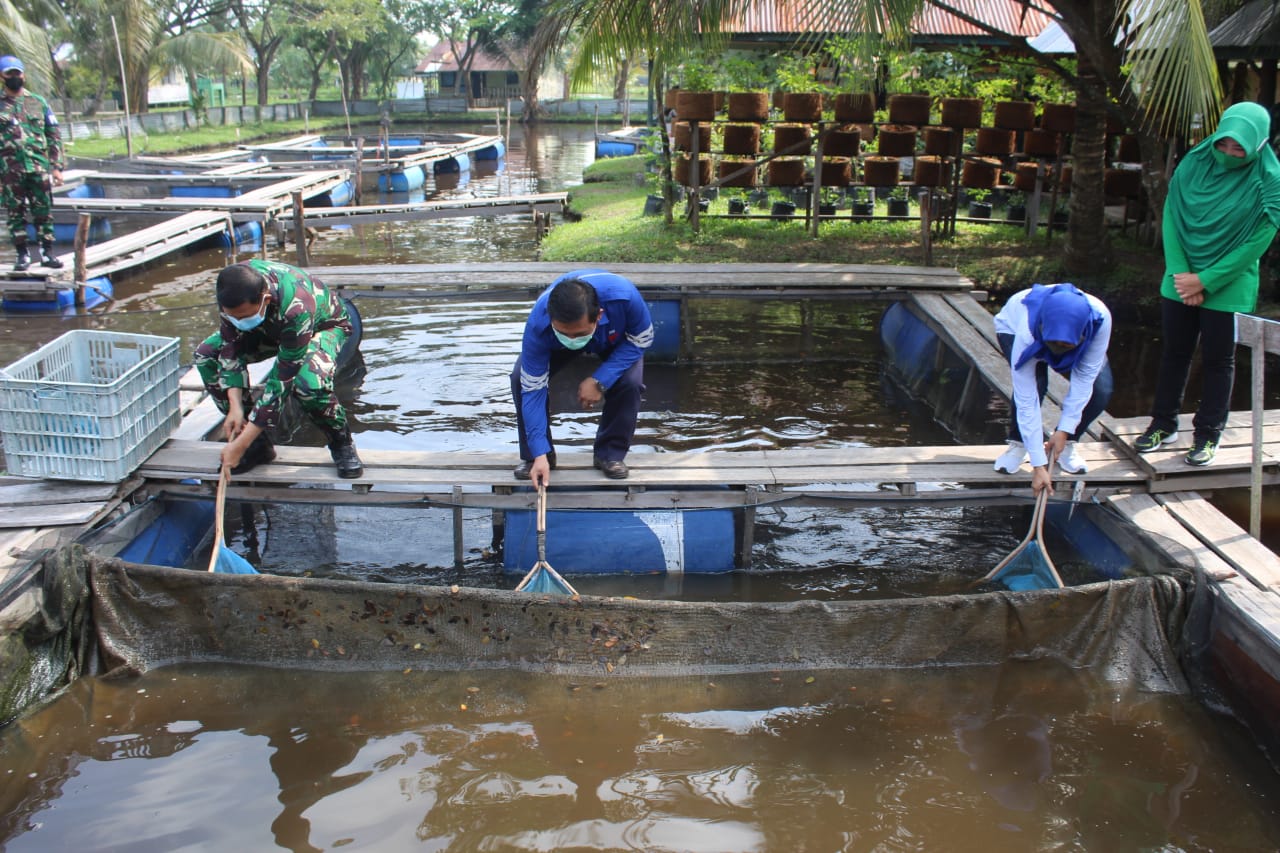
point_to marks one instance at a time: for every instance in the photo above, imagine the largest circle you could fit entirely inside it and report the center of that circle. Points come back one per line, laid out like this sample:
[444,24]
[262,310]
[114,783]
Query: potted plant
[979,207]
[899,203]
[864,203]
[829,202]
[1017,209]
[737,207]
[1061,216]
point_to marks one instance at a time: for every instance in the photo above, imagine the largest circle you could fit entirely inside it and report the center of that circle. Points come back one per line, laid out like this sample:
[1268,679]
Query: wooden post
[300,230]
[457,527]
[1260,336]
[925,201]
[358,177]
[695,174]
[78,265]
[1033,203]
[816,199]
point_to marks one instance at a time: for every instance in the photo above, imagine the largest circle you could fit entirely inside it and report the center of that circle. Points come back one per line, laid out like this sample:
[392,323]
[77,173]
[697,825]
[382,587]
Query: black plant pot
[1017,212]
[826,210]
[653,205]
[783,209]
[704,204]
[737,206]
[1060,218]
[899,207]
[758,197]
[979,210]
[863,209]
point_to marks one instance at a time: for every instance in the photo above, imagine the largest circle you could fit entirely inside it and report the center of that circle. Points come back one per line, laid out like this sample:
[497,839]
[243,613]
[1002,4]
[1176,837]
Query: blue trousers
[617,421]
[1103,386]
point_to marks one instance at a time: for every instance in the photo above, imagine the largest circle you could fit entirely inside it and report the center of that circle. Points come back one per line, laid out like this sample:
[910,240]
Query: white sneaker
[1071,461]
[1011,460]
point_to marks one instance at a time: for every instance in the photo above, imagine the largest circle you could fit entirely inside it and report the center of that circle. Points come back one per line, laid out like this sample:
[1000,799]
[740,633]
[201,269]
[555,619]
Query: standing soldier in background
[30,160]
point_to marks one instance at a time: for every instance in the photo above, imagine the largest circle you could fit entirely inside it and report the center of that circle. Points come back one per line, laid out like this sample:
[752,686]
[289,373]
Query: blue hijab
[1059,312]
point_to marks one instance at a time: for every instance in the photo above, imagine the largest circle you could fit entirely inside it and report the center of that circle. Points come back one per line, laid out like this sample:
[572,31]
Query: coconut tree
[1147,61]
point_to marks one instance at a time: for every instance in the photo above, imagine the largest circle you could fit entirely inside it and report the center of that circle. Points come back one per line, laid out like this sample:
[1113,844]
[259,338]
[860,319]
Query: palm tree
[1147,61]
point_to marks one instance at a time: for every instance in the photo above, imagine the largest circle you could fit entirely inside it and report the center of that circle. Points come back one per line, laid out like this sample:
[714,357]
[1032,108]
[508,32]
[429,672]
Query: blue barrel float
[606,542]
[496,151]
[96,292]
[456,164]
[402,181]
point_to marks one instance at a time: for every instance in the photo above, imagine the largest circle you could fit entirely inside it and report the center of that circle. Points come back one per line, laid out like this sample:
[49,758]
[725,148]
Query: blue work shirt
[624,332]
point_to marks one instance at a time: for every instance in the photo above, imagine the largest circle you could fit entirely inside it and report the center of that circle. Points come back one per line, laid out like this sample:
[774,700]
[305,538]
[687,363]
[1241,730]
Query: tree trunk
[620,82]
[1087,246]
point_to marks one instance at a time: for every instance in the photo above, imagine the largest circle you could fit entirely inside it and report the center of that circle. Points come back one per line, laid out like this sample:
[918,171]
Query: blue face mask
[248,324]
[573,343]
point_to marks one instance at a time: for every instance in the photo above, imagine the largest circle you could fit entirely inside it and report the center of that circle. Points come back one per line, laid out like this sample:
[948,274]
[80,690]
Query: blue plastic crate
[90,406]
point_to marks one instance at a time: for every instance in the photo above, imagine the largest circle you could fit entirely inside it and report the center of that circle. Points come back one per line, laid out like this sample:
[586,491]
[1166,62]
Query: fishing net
[146,617]
[108,616]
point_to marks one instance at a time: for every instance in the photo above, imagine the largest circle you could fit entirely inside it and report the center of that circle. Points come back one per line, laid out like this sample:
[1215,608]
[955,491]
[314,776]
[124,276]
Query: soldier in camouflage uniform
[30,160]
[274,309]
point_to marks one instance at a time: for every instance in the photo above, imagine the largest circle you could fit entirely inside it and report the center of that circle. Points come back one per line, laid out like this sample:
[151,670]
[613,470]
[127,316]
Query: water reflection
[1023,756]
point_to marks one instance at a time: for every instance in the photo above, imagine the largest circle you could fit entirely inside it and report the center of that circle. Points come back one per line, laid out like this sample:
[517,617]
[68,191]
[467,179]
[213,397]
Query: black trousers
[1215,332]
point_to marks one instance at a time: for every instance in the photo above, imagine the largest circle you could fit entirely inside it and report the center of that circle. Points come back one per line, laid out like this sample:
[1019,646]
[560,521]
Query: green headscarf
[1217,201]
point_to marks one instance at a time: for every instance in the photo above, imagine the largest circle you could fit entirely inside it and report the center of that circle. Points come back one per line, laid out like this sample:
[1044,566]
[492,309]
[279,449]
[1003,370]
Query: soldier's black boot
[23,261]
[47,258]
[343,451]
[259,452]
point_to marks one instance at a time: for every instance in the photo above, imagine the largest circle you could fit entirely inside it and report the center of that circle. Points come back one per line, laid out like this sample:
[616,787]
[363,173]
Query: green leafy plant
[978,196]
[795,74]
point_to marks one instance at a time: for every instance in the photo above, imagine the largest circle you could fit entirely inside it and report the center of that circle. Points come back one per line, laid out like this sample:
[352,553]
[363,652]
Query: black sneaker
[1153,438]
[23,261]
[526,465]
[614,469]
[1202,451]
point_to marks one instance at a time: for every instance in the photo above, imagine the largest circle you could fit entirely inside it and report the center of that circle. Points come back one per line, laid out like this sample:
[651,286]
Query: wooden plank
[56,515]
[1146,513]
[1225,538]
[33,495]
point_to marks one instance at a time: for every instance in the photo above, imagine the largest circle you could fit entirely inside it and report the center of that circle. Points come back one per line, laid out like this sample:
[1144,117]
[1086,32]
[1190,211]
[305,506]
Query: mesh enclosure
[148,616]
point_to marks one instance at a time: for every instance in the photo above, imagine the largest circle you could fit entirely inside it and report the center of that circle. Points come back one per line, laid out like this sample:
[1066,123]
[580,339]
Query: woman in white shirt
[1058,327]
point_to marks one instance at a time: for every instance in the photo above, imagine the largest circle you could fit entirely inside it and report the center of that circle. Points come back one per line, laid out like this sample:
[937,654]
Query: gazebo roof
[783,22]
[1252,32]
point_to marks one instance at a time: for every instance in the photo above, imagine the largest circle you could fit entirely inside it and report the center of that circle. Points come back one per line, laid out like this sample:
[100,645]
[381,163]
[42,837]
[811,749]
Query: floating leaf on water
[315,644]
[463,706]
[407,670]
[777,679]
[473,690]
[454,589]
[810,680]
[659,738]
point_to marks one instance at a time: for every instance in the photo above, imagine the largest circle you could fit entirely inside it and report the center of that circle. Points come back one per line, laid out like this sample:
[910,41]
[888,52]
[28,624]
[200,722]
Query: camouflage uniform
[30,150]
[305,326]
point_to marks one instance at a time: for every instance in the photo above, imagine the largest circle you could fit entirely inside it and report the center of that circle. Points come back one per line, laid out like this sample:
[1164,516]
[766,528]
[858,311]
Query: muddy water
[1026,757]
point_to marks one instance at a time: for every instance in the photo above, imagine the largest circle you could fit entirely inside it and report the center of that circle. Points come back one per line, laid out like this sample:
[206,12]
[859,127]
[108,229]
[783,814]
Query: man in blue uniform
[584,311]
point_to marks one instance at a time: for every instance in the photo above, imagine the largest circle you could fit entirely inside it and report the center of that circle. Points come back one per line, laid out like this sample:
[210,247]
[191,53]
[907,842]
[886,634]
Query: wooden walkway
[743,281]
[479,206]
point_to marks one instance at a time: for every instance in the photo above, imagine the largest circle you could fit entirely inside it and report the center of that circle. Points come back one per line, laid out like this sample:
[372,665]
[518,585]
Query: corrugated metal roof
[1254,25]
[784,17]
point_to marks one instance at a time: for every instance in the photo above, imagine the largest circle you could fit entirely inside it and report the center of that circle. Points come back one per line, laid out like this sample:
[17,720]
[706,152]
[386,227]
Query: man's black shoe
[525,466]
[347,460]
[23,262]
[47,258]
[614,469]
[259,452]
